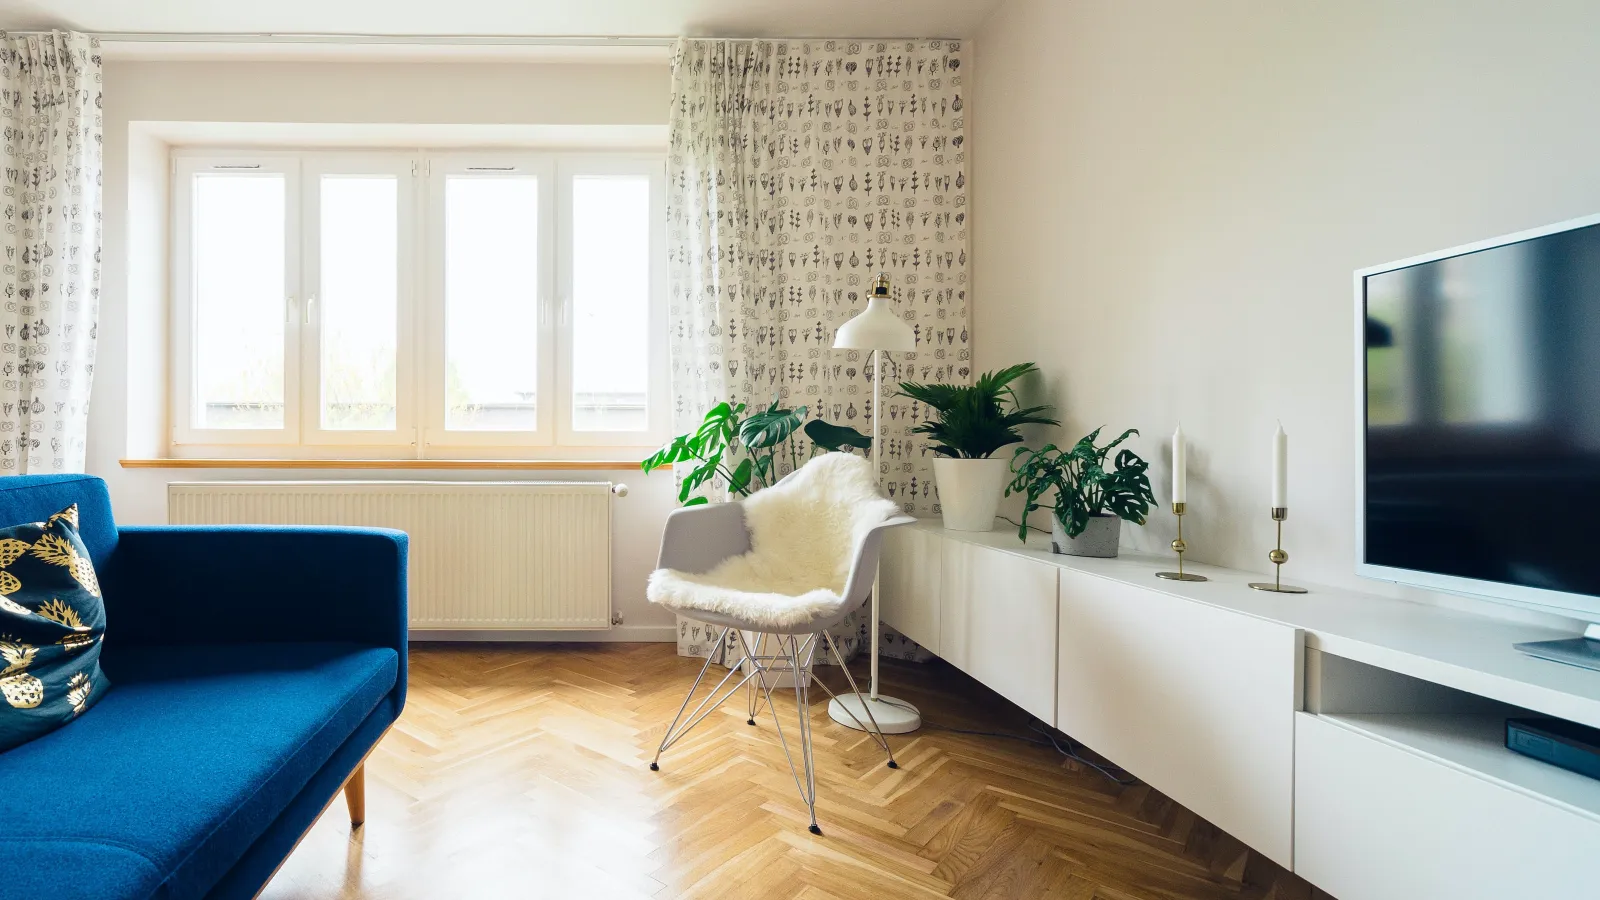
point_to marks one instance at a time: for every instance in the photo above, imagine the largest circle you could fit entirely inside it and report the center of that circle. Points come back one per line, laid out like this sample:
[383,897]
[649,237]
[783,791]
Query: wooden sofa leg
[355,795]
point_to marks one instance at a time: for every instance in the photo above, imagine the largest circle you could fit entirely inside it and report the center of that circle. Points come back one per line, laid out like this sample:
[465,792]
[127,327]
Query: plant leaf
[770,427]
[676,451]
[698,476]
[835,437]
[740,482]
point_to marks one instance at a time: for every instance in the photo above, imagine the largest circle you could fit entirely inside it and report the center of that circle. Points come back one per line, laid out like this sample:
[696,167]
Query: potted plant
[1091,498]
[748,452]
[971,422]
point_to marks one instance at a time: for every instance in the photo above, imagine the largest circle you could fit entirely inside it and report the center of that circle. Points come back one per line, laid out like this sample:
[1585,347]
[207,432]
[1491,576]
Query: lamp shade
[876,328]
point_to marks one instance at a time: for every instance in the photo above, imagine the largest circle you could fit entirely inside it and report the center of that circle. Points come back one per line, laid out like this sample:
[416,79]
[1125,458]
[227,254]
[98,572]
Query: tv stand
[1583,652]
[1355,739]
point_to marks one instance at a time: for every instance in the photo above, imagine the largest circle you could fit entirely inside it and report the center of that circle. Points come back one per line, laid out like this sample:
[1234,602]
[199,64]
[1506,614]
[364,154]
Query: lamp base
[1181,576]
[893,716]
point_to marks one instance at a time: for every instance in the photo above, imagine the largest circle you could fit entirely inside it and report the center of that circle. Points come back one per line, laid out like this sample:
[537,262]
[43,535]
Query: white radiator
[484,555]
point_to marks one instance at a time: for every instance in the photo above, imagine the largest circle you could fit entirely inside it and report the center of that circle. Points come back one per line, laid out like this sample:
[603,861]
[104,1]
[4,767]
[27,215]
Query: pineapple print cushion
[51,623]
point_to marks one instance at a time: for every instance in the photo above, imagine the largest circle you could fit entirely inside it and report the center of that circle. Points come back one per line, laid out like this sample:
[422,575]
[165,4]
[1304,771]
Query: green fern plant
[973,421]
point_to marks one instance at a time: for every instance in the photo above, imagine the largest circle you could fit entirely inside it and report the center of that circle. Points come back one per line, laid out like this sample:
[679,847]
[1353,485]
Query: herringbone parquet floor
[520,771]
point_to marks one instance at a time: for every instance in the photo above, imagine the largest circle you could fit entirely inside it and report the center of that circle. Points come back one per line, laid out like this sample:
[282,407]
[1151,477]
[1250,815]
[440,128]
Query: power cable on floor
[1070,751]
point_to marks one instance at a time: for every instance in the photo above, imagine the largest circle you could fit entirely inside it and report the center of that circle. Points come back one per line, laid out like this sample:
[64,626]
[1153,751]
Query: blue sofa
[252,669]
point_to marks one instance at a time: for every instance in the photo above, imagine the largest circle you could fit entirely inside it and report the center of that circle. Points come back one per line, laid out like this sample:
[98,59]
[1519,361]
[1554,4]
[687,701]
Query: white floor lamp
[877,329]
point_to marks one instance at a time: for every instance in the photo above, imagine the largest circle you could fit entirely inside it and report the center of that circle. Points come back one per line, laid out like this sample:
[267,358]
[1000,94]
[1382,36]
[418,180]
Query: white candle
[1280,469]
[1180,465]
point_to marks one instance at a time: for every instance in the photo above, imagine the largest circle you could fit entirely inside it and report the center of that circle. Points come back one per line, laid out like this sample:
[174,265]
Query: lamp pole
[878,330]
[877,476]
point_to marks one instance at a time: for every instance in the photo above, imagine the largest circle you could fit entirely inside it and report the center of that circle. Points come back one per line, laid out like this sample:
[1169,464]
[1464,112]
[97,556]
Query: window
[609,274]
[350,304]
[241,216]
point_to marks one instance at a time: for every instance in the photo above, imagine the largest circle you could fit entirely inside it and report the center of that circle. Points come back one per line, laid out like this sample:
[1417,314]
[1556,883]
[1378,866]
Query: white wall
[1170,198]
[127,413]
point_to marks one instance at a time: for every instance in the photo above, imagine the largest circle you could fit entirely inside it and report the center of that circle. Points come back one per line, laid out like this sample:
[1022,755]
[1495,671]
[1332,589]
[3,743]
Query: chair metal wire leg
[802,702]
[777,723]
[750,688]
[875,731]
[666,739]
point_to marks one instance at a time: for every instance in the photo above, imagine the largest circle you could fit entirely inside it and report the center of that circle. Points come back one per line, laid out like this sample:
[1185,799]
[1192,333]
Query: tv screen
[1482,438]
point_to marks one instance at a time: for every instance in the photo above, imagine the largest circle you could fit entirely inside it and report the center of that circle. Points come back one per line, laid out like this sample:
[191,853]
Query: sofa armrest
[698,537]
[168,584]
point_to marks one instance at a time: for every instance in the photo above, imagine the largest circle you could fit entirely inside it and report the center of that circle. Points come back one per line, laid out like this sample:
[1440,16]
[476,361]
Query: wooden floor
[522,771]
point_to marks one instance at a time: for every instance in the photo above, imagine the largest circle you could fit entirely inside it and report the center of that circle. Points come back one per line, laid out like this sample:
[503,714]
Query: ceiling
[620,18]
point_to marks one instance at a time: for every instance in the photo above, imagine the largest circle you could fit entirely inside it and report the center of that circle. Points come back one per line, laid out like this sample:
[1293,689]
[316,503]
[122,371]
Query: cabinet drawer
[1197,701]
[997,623]
[1375,821]
[910,584]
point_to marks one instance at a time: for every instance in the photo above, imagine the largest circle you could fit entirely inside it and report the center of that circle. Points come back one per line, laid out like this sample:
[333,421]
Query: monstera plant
[748,451]
[1090,496]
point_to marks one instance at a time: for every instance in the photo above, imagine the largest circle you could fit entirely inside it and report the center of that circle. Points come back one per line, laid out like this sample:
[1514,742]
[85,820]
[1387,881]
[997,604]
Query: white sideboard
[1355,739]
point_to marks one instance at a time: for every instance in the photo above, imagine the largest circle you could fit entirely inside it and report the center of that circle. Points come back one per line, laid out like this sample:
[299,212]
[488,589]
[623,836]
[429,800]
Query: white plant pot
[969,491]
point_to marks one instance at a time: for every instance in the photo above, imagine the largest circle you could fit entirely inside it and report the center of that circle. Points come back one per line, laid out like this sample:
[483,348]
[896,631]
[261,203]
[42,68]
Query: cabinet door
[1197,701]
[1374,821]
[998,623]
[910,584]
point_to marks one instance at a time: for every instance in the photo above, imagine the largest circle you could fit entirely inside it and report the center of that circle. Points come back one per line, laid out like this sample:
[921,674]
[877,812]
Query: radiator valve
[621,490]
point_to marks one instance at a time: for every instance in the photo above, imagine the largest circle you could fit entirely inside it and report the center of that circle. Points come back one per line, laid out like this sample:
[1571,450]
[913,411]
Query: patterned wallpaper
[798,171]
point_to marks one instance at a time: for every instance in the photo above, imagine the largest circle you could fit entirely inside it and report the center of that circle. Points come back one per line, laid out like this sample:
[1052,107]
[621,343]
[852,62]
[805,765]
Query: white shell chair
[791,561]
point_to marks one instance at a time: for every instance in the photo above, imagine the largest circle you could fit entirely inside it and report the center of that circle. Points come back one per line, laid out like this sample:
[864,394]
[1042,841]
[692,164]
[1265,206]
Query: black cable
[1070,751]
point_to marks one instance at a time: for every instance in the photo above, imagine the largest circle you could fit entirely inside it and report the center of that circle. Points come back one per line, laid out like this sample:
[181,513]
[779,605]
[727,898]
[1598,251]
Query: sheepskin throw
[804,532]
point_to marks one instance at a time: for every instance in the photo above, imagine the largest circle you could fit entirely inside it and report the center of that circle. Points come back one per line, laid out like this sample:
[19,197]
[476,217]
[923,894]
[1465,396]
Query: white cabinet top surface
[1468,652]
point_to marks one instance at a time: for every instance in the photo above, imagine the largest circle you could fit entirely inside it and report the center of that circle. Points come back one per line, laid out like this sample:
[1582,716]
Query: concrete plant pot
[969,491]
[1099,539]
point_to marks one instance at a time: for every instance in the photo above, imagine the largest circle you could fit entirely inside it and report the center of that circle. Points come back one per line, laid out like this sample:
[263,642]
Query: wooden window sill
[524,465]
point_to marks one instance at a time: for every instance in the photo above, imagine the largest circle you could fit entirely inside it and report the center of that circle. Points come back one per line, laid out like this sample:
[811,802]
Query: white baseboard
[655,634]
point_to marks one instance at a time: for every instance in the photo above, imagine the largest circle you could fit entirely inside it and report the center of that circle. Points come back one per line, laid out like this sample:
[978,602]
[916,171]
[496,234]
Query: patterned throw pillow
[51,623]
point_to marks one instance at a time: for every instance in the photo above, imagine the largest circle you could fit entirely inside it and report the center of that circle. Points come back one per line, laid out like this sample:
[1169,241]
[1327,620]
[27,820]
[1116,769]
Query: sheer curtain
[49,248]
[797,171]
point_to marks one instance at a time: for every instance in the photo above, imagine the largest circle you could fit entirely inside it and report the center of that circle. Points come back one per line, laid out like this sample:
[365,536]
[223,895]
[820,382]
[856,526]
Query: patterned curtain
[798,170]
[50,213]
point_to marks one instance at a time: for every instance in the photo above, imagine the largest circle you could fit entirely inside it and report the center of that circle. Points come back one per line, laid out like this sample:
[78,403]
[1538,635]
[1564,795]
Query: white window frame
[313,168]
[420,403]
[658,398]
[185,399]
[440,169]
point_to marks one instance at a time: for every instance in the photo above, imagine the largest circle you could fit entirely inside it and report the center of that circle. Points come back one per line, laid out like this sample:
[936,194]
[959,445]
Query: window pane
[491,303]
[360,301]
[239,300]
[610,303]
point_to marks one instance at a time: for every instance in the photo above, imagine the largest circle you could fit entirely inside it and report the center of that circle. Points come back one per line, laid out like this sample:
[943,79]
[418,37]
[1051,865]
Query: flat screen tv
[1479,436]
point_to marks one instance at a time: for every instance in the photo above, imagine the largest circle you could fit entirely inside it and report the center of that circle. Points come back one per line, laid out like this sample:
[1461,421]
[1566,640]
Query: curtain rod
[138,37]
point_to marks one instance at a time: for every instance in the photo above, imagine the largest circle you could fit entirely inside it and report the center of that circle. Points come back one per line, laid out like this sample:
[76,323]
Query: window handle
[311,302]
[288,310]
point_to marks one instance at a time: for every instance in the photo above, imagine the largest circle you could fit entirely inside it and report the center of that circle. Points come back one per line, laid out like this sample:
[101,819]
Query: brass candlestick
[1278,558]
[1178,546]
